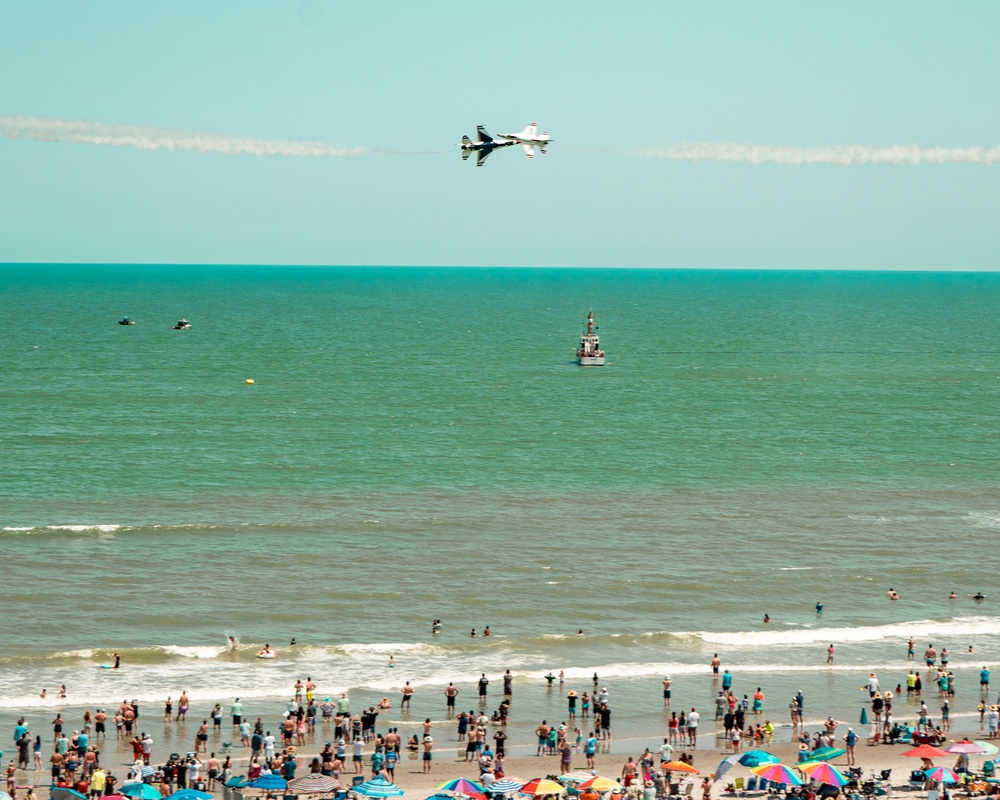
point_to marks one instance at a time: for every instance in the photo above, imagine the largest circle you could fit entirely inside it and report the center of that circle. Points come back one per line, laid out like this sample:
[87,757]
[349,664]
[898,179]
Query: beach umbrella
[187,794]
[141,791]
[379,787]
[941,775]
[754,758]
[826,753]
[310,784]
[601,784]
[924,751]
[462,786]
[505,786]
[236,782]
[147,771]
[678,766]
[778,773]
[824,773]
[4,795]
[965,746]
[63,793]
[545,786]
[989,749]
[271,781]
[577,776]
[725,765]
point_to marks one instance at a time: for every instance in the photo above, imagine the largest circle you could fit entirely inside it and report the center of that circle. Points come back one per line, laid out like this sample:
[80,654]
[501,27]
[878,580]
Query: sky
[644,102]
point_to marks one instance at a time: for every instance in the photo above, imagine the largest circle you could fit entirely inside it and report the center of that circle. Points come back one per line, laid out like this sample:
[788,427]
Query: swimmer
[43,695]
[473,634]
[392,662]
[486,631]
[580,632]
[118,661]
[978,596]
[952,596]
[819,608]
[293,642]
[767,618]
[892,594]
[232,642]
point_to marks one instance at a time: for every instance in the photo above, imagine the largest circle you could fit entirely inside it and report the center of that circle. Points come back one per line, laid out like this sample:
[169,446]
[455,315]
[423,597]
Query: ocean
[419,444]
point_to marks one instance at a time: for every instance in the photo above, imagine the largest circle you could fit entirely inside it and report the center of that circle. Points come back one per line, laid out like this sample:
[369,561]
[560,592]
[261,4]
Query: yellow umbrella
[602,784]
[540,786]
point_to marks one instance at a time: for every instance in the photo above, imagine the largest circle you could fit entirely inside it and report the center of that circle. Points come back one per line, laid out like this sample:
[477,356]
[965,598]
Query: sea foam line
[78,131]
[841,155]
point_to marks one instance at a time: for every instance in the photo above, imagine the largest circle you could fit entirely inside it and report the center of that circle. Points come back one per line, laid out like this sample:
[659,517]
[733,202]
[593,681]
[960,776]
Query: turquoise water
[419,444]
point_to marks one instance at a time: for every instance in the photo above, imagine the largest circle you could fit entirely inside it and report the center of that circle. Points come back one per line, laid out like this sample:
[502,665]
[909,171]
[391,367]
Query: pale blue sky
[412,77]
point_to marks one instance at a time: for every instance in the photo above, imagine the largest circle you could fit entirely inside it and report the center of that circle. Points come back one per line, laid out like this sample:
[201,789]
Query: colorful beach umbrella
[965,746]
[941,775]
[778,773]
[378,787]
[678,766]
[141,791]
[544,786]
[312,784]
[462,786]
[989,749]
[924,751]
[505,786]
[824,773]
[754,758]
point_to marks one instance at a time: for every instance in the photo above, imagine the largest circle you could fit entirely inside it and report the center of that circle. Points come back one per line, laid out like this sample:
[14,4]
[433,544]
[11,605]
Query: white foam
[195,652]
[964,626]
[83,528]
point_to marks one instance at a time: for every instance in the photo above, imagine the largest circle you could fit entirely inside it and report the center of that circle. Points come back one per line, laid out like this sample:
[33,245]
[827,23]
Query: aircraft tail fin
[530,132]
[466,154]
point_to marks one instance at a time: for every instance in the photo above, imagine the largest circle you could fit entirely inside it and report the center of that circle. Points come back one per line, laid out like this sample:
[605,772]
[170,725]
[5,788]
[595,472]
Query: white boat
[590,353]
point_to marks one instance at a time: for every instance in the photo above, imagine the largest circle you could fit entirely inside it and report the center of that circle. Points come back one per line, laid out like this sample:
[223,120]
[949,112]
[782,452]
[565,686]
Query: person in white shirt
[693,719]
[269,746]
[665,750]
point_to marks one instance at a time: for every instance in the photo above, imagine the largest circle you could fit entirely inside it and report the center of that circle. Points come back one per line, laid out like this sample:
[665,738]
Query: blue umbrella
[141,791]
[754,758]
[189,794]
[64,793]
[378,787]
[272,781]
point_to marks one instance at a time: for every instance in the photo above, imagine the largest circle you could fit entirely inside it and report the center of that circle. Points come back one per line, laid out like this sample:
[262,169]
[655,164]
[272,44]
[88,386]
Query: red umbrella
[925,751]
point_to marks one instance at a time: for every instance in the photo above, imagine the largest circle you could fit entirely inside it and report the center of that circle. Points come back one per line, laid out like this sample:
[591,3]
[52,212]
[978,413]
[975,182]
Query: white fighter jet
[529,139]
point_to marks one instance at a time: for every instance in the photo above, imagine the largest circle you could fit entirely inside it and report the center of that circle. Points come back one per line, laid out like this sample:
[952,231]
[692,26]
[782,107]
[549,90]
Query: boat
[126,321]
[590,353]
[182,325]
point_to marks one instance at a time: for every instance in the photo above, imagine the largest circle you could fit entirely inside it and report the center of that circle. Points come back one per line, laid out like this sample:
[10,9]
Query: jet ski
[182,325]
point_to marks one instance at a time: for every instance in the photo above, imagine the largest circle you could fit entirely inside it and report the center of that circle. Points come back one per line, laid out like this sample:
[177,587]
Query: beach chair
[752,785]
[357,780]
[884,774]
[226,749]
[739,784]
[907,737]
[988,769]
[917,780]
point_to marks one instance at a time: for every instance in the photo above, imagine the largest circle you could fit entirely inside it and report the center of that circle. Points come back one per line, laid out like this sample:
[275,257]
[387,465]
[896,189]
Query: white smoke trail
[44,129]
[843,155]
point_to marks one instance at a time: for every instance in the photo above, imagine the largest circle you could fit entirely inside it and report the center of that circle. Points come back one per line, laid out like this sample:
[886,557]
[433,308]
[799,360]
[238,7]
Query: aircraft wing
[529,151]
[483,135]
[482,155]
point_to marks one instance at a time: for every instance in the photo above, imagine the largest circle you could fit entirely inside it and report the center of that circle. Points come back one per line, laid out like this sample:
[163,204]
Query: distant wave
[968,626]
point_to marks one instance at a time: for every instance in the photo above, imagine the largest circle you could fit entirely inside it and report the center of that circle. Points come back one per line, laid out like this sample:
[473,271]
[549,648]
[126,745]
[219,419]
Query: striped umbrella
[941,775]
[462,786]
[543,786]
[778,773]
[989,749]
[505,786]
[378,787]
[826,753]
[824,773]
[577,776]
[314,784]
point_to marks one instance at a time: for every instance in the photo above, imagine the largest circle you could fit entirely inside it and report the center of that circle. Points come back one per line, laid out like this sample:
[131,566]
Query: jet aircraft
[529,139]
[482,148]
